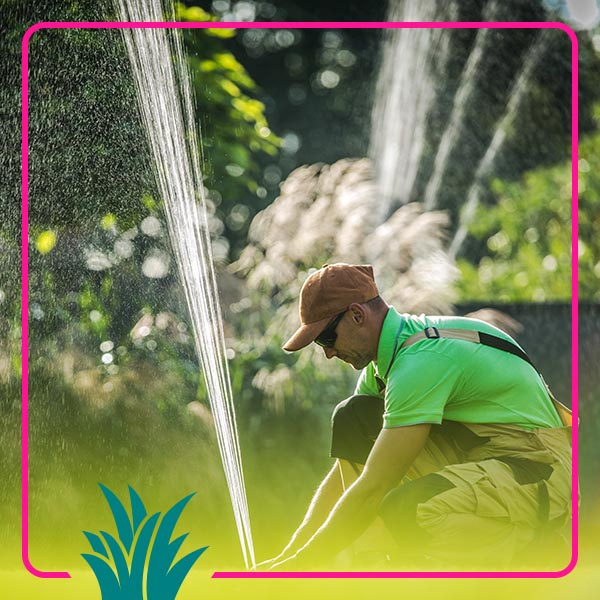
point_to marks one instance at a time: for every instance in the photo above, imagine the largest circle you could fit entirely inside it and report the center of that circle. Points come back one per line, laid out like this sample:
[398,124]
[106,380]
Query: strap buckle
[431,333]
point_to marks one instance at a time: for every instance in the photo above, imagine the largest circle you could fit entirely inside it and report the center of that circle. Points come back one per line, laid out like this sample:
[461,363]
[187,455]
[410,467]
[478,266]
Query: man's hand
[324,500]
[393,453]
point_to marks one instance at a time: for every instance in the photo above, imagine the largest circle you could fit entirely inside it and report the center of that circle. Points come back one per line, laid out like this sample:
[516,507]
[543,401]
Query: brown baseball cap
[326,293]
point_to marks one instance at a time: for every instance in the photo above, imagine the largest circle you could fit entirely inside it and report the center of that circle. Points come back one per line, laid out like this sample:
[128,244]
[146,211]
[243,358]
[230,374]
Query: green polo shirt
[451,379]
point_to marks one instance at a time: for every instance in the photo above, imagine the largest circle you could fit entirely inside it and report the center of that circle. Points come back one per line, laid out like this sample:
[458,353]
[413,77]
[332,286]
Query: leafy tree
[234,129]
[528,234]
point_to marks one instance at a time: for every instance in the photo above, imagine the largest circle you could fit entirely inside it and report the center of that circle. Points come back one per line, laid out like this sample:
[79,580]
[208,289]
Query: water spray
[166,103]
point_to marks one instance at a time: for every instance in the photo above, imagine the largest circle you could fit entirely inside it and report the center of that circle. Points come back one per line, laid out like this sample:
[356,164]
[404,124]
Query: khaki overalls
[505,493]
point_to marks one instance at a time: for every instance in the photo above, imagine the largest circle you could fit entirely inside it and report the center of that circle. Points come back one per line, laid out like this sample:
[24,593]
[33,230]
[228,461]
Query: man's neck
[380,318]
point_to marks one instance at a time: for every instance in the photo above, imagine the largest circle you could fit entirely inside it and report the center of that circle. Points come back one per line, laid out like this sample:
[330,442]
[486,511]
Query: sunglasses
[328,336]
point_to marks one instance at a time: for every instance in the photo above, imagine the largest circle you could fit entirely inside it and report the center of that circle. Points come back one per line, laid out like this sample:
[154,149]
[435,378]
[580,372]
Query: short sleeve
[366,384]
[418,388]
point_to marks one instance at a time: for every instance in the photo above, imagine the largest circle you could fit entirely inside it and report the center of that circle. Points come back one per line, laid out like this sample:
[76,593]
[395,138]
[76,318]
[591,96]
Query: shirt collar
[392,327]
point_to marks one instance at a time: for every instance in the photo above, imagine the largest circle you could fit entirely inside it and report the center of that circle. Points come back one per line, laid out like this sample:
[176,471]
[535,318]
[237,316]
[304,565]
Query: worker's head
[341,311]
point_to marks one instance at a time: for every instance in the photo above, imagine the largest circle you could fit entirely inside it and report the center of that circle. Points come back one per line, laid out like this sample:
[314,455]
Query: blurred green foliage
[528,234]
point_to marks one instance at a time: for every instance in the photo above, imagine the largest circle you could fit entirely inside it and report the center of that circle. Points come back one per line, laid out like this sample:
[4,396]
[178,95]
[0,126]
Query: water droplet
[297,94]
[332,39]
[244,11]
[220,6]
[123,248]
[107,346]
[345,58]
[143,331]
[151,226]
[329,79]
[252,38]
[499,242]
[284,38]
[156,264]
[236,170]
[162,320]
[36,311]
[549,263]
[220,249]
[583,13]
[290,143]
[272,175]
[96,260]
[532,235]
[521,279]
[238,216]
[130,233]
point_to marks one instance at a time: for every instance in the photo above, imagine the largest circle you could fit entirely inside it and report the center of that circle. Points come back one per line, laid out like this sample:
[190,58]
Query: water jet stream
[466,88]
[404,94]
[166,103]
[484,169]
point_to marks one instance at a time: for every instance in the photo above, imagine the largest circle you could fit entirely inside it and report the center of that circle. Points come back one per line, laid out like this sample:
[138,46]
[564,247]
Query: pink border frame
[300,25]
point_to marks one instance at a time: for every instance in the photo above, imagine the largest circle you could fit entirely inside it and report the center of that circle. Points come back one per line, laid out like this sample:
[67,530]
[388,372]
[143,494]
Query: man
[451,437]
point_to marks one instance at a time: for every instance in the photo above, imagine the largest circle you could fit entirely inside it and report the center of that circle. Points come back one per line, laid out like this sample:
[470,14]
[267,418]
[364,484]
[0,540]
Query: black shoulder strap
[487,339]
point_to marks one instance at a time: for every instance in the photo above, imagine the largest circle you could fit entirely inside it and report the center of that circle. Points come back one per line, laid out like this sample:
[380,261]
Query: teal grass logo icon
[142,555]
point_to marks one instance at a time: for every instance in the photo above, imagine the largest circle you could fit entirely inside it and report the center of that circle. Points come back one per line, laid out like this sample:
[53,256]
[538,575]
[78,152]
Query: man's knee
[399,508]
[355,424]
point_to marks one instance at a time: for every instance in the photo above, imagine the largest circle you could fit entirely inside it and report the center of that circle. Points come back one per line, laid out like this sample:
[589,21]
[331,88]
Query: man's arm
[393,453]
[323,501]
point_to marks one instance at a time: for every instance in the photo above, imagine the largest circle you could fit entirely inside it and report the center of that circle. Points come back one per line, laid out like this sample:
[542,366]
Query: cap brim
[305,335]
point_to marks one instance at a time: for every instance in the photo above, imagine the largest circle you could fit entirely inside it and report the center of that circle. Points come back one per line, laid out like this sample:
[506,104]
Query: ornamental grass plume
[328,213]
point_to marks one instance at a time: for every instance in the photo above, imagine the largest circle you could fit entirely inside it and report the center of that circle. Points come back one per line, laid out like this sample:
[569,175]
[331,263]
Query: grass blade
[119,558]
[141,548]
[107,580]
[159,561]
[96,543]
[172,548]
[160,557]
[138,510]
[179,571]
[121,517]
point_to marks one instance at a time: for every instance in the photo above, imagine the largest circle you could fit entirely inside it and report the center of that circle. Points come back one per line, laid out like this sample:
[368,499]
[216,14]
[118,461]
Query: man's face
[351,344]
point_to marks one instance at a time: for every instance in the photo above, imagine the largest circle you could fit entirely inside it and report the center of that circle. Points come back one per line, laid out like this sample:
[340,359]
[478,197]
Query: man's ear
[358,313]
